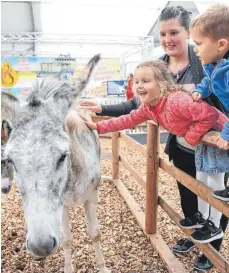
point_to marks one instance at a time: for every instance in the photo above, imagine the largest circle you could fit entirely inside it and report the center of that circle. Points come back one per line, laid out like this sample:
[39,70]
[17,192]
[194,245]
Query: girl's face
[173,37]
[145,86]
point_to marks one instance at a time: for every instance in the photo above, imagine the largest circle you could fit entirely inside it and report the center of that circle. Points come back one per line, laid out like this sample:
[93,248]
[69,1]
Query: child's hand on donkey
[92,125]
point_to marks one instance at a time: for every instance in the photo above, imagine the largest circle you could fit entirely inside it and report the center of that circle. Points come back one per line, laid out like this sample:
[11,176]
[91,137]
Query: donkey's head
[6,170]
[37,148]
[7,113]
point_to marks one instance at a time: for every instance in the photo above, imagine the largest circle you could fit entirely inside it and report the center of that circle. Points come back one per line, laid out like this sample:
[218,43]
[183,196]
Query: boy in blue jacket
[210,33]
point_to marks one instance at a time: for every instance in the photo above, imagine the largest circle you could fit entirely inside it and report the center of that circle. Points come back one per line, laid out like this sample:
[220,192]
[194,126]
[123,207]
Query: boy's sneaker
[194,221]
[208,233]
[202,263]
[183,246]
[222,195]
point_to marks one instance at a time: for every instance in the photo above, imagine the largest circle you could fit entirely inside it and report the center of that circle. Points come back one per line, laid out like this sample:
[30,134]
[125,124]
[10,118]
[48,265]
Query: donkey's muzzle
[5,185]
[42,247]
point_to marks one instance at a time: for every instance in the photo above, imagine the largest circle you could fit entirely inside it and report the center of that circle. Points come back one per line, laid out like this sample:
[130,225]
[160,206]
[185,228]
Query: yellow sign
[9,75]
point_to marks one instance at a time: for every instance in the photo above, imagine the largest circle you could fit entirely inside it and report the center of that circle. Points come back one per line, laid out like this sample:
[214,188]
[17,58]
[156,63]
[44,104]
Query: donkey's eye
[61,160]
[9,161]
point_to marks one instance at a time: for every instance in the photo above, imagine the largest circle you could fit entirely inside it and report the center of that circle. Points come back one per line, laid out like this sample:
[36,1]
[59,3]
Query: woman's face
[173,37]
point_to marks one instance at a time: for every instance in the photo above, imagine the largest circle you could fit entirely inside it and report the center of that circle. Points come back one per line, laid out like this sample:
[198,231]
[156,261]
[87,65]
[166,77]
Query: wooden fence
[148,220]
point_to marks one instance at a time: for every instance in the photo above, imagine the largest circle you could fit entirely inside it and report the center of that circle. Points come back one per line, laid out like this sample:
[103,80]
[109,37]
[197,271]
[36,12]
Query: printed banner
[19,74]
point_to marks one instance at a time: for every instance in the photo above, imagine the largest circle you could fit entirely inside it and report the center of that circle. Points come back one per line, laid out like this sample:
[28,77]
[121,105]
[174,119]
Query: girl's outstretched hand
[92,125]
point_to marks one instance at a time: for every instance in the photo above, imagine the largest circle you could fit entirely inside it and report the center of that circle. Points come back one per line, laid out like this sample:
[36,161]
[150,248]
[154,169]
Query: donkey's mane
[51,87]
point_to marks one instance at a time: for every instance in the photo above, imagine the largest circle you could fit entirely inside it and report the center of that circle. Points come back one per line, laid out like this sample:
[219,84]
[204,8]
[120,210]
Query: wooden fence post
[152,170]
[115,155]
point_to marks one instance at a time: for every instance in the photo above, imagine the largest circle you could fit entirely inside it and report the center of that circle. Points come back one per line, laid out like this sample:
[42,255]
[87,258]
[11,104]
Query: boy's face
[145,86]
[206,49]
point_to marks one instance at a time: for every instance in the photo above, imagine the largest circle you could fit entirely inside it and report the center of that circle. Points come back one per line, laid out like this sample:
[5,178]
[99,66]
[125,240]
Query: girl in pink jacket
[173,108]
[167,104]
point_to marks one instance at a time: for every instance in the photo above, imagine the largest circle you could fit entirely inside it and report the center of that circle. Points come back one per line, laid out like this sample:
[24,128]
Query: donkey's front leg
[67,242]
[94,234]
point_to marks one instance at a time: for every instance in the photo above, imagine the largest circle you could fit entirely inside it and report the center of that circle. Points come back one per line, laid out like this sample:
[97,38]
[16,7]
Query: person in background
[186,69]
[210,32]
[129,92]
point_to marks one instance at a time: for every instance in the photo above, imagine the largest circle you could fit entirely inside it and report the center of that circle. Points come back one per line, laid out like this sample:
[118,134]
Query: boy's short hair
[214,22]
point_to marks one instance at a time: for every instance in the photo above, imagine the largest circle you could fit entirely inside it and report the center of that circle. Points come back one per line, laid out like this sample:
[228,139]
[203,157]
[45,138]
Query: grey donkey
[6,167]
[56,159]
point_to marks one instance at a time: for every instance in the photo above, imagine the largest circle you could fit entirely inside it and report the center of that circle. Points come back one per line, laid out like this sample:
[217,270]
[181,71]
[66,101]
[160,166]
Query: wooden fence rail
[148,221]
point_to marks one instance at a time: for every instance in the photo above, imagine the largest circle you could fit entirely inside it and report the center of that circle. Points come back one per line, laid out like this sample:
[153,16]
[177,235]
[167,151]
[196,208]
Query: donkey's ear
[86,73]
[59,94]
[59,91]
[6,130]
[9,106]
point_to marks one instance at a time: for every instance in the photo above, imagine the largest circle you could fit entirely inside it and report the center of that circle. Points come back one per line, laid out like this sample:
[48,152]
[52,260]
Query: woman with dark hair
[186,69]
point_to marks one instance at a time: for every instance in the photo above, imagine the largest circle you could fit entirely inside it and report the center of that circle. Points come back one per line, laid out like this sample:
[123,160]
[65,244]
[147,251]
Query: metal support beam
[33,20]
[41,54]
[38,37]
[31,6]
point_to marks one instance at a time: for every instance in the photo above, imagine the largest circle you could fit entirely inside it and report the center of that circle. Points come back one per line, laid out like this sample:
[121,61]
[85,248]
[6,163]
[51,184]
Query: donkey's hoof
[68,269]
[104,270]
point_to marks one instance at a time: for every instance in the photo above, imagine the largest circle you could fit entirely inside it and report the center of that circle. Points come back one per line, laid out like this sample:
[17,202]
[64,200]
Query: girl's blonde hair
[162,76]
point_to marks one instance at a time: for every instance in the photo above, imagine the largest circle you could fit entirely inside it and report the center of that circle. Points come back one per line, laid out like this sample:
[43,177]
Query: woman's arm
[120,109]
[225,132]
[223,141]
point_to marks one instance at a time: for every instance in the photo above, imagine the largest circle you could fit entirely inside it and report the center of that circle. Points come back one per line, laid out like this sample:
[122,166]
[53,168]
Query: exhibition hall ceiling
[77,25]
[82,27]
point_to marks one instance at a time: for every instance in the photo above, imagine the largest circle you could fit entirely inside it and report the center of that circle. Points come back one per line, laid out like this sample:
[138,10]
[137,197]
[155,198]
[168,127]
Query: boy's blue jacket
[216,81]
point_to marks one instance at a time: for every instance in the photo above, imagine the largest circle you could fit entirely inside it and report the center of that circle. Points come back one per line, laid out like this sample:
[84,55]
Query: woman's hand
[222,143]
[91,106]
[92,125]
[196,96]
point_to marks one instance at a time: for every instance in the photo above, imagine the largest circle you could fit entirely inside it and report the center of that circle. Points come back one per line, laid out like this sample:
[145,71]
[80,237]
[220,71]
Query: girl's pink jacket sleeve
[135,118]
[202,117]
[203,121]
